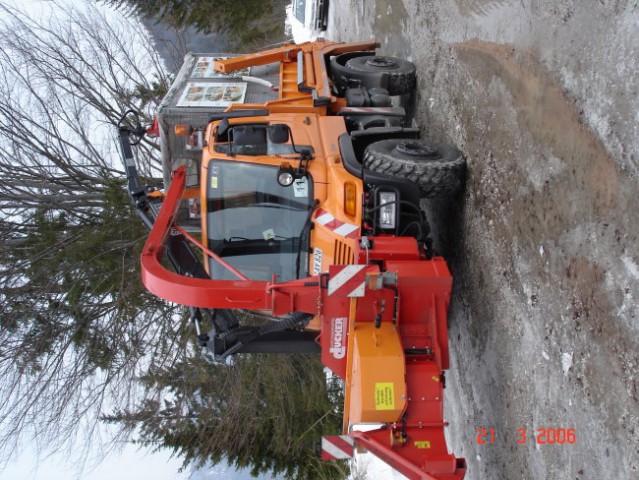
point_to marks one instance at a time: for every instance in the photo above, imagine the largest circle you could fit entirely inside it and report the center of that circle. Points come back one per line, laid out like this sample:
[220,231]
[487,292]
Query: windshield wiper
[282,206]
[235,246]
[276,238]
[307,223]
[237,239]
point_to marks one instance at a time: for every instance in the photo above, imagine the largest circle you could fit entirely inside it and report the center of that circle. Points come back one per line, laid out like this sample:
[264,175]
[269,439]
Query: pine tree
[244,22]
[265,412]
[76,321]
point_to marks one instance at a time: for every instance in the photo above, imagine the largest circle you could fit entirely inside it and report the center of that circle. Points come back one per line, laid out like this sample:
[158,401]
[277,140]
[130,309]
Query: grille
[343,254]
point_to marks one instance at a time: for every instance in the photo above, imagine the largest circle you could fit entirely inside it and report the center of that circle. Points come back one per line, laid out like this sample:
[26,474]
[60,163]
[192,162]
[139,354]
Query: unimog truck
[293,180]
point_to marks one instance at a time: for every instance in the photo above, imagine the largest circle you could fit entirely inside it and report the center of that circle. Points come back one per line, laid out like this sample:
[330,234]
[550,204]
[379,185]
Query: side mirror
[278,133]
[223,128]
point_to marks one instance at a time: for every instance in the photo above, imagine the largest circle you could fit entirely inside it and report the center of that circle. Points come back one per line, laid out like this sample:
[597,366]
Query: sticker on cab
[300,188]
[317,261]
[268,234]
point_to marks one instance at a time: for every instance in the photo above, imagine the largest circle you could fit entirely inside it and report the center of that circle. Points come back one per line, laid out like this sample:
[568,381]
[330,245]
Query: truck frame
[303,209]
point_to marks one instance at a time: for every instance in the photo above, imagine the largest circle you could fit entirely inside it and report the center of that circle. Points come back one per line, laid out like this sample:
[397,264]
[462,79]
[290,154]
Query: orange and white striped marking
[343,229]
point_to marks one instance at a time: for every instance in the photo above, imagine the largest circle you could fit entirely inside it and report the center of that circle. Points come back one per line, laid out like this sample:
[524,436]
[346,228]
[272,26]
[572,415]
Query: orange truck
[293,183]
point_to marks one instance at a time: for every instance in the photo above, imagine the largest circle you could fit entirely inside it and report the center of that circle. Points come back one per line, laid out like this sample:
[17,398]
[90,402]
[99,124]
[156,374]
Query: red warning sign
[347,280]
[337,447]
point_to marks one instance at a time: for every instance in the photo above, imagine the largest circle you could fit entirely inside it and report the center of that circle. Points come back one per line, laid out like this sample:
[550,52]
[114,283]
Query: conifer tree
[265,412]
[76,321]
[246,23]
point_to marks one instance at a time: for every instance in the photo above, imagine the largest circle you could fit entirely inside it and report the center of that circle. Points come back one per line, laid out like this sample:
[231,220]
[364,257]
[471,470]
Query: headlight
[387,209]
[285,178]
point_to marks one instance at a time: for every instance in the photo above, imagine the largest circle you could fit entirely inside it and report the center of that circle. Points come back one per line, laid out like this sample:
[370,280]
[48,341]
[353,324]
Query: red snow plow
[293,192]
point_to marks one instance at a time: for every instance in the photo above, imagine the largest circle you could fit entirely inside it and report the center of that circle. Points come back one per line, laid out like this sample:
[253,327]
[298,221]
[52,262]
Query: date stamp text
[539,436]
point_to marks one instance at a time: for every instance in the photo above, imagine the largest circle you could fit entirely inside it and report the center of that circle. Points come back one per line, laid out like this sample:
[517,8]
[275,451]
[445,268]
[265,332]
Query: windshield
[300,9]
[258,226]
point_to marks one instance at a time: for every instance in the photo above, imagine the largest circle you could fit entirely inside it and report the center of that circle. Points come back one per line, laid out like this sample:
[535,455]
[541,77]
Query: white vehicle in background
[307,19]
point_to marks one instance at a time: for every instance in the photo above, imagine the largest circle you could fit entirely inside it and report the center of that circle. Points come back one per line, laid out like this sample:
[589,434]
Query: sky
[131,463]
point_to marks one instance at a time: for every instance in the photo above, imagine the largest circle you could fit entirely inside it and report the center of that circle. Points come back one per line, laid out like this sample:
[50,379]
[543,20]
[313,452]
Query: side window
[188,215]
[192,171]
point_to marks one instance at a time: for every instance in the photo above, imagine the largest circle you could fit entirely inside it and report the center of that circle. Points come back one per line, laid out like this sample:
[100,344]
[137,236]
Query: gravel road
[542,98]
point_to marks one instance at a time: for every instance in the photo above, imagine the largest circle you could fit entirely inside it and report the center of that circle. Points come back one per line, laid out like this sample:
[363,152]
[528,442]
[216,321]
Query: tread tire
[436,168]
[401,73]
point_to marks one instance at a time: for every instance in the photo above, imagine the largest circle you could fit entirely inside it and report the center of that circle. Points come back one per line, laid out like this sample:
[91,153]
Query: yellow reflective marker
[213,182]
[423,444]
[435,378]
[384,396]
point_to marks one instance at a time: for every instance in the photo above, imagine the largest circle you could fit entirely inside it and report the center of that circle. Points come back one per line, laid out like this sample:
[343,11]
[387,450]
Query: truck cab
[280,148]
[273,173]
[307,19]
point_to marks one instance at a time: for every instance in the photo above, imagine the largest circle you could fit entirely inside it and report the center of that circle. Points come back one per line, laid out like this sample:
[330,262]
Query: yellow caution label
[213,182]
[423,444]
[385,396]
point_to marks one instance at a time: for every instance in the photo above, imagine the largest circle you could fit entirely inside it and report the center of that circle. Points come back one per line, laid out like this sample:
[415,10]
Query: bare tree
[77,328]
[80,339]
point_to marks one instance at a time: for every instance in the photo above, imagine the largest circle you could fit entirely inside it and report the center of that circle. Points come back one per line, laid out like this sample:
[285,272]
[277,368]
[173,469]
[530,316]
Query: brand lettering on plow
[338,337]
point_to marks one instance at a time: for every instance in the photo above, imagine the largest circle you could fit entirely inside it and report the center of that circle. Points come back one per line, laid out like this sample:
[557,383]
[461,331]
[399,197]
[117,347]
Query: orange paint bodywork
[377,366]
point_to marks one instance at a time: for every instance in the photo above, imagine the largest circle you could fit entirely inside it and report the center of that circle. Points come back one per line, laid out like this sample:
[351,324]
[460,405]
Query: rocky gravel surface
[542,98]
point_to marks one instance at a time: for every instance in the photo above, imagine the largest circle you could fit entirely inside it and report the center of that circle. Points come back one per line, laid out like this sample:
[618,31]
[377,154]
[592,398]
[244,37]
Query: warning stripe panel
[337,447]
[343,229]
[346,230]
[347,280]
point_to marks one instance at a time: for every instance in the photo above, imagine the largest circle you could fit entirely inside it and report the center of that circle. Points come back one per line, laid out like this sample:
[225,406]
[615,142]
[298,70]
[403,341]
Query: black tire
[394,74]
[436,168]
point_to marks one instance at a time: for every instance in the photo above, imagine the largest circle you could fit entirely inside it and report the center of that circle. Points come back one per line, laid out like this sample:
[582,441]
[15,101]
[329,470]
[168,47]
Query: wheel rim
[381,62]
[415,149]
